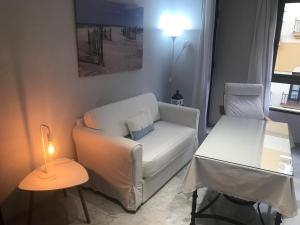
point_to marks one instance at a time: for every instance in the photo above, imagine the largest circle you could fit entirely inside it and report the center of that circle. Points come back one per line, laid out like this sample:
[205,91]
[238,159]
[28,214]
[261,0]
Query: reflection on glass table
[248,142]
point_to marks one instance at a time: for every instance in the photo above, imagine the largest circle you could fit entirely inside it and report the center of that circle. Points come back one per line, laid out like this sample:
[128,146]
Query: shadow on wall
[23,102]
[16,156]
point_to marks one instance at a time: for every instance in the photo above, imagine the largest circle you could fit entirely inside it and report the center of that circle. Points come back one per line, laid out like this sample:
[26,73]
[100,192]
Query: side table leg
[65,192]
[278,219]
[31,199]
[194,205]
[1,218]
[86,213]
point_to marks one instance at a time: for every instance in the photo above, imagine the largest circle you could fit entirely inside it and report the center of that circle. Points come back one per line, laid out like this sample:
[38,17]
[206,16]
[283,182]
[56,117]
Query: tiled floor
[168,206]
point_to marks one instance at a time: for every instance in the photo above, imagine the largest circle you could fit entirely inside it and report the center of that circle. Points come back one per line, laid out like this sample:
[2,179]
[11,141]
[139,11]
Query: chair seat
[163,145]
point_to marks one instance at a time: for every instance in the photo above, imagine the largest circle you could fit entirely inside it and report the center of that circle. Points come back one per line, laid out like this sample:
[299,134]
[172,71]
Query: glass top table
[260,144]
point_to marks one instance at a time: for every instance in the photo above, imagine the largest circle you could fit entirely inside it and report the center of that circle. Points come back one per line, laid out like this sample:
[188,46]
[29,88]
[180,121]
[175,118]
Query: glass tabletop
[259,144]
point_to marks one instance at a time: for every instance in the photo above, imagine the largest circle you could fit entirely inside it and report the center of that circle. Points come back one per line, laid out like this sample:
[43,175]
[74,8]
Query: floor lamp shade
[173,24]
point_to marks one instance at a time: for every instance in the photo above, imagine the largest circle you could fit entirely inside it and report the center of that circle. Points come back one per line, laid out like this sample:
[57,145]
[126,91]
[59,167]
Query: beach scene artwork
[109,36]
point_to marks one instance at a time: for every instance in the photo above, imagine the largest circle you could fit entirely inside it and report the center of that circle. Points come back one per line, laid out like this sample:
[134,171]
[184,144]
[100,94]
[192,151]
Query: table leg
[194,205]
[259,213]
[1,218]
[269,213]
[86,213]
[65,192]
[278,219]
[30,209]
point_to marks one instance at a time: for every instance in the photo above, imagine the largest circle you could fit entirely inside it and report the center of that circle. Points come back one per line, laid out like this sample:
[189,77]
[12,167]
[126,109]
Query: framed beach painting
[109,36]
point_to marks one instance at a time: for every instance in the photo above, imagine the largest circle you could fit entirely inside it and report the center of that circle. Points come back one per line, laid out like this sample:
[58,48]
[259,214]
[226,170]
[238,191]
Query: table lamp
[46,173]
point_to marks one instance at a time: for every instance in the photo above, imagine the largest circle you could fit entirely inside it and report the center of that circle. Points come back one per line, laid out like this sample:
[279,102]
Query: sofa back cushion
[112,118]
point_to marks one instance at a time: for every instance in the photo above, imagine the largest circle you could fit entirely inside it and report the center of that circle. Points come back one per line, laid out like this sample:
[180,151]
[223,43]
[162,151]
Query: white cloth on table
[249,159]
[243,182]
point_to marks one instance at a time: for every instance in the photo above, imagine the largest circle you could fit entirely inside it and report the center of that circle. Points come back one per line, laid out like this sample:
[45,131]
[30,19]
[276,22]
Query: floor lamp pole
[172,58]
[172,64]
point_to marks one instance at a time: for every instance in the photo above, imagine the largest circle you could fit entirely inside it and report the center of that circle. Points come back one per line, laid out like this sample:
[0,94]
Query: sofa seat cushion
[163,145]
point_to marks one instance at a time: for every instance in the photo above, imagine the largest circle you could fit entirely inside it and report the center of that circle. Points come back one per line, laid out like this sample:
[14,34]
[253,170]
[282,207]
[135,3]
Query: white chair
[244,100]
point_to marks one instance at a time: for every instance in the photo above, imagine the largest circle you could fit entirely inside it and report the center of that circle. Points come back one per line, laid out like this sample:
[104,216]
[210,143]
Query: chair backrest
[244,100]
[112,118]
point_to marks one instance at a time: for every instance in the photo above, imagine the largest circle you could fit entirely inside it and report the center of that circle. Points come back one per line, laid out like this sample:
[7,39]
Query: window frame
[278,77]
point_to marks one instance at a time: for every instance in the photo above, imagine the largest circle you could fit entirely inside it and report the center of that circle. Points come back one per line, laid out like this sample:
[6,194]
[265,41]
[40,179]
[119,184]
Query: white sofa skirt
[141,193]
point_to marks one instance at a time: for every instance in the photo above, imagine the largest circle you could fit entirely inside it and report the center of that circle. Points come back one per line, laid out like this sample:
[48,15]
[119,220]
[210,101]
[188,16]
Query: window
[285,88]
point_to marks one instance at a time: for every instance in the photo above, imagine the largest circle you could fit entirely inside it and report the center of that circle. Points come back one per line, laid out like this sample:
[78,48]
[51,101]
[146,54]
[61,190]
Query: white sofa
[132,171]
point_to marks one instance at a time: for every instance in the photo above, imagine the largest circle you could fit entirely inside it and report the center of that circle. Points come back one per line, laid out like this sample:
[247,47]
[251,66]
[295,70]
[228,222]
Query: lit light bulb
[51,148]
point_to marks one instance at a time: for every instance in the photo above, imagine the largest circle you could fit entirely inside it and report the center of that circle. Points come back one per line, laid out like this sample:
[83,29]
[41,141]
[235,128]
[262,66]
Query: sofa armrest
[179,114]
[116,159]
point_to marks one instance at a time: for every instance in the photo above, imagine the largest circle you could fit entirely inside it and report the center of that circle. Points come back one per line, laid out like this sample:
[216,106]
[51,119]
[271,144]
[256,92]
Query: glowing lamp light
[50,151]
[51,148]
[173,24]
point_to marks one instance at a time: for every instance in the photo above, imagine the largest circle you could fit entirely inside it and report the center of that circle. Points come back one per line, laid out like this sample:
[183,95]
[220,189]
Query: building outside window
[285,88]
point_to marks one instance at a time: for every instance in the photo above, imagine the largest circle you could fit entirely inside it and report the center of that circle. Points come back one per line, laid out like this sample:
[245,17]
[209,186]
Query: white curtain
[202,76]
[261,57]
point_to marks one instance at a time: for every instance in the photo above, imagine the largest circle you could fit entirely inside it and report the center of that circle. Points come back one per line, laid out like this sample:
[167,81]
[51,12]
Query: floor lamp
[173,25]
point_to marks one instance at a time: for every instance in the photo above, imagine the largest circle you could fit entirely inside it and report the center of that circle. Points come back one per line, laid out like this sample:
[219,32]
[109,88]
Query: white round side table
[66,174]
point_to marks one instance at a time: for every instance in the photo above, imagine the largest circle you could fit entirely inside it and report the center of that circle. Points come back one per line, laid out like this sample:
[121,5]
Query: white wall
[291,12]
